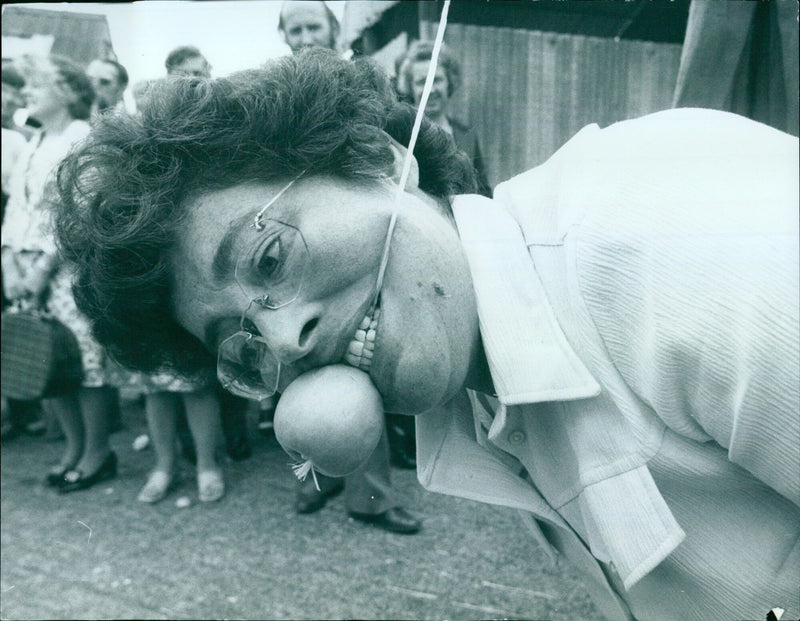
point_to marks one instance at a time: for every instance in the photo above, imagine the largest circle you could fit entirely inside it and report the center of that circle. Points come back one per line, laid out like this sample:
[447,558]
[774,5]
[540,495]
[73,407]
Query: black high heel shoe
[74,480]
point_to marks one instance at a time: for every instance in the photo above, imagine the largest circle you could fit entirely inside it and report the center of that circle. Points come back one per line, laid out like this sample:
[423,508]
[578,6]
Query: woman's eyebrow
[222,263]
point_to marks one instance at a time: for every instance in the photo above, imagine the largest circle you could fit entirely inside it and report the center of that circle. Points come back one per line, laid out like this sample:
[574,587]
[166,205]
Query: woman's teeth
[360,349]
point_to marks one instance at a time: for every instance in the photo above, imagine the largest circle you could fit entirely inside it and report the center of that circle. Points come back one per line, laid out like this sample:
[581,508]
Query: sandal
[156,488]
[210,485]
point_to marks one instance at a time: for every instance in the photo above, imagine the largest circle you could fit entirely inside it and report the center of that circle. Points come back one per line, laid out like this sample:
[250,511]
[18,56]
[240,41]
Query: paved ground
[100,554]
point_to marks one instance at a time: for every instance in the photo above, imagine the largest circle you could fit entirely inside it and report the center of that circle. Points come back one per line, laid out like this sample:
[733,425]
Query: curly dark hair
[124,191]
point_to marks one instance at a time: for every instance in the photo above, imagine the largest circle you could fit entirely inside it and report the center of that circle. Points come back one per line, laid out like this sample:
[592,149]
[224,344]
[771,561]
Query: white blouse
[27,224]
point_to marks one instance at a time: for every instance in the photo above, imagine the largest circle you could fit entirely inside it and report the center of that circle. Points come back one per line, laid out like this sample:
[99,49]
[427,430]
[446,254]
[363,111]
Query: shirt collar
[529,356]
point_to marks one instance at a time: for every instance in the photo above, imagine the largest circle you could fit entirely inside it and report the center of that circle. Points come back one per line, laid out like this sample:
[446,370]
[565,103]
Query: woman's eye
[250,327]
[269,263]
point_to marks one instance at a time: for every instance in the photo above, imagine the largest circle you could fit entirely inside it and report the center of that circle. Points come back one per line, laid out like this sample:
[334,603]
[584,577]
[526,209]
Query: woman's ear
[400,154]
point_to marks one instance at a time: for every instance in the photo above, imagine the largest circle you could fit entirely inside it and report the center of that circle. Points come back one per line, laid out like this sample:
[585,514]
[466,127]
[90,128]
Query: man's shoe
[310,499]
[396,520]
[74,480]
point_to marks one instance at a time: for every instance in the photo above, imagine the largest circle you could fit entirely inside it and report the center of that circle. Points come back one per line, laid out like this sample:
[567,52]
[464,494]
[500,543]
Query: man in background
[109,81]
[185,60]
[308,24]
[189,61]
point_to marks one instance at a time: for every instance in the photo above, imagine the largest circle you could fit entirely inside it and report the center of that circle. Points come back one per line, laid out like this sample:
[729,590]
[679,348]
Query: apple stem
[301,471]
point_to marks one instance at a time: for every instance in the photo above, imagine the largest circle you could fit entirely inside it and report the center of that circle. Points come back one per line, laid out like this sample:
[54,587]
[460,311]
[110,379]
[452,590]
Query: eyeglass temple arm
[426,91]
[258,219]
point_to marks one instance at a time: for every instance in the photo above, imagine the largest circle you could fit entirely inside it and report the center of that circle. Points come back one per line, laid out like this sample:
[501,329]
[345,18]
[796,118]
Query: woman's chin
[411,393]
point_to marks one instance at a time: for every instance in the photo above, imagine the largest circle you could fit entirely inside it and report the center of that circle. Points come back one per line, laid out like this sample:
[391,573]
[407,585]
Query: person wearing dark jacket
[412,71]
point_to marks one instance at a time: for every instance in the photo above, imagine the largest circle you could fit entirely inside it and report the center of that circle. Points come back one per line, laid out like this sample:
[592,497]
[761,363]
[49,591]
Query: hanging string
[401,186]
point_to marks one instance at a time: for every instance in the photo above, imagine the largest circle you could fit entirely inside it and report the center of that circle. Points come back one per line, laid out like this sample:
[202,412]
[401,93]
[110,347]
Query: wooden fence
[527,92]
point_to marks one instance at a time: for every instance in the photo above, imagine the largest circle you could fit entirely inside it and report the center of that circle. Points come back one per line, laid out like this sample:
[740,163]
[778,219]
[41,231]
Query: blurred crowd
[51,103]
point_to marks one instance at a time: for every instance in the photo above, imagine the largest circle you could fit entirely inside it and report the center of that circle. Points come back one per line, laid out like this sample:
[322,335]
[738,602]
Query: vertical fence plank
[527,92]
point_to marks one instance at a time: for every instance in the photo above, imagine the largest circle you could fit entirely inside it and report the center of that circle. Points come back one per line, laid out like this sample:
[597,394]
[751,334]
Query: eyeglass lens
[246,367]
[271,269]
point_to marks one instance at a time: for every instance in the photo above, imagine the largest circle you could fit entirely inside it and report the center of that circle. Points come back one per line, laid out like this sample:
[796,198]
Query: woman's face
[427,331]
[438,100]
[46,93]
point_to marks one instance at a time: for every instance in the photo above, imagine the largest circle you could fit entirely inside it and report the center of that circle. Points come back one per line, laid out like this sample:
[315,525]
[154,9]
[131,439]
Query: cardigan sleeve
[691,276]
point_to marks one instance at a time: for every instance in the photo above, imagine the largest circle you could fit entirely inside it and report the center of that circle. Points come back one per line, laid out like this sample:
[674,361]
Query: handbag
[40,356]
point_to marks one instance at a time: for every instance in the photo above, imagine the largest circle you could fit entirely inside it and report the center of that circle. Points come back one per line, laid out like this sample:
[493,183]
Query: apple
[331,418]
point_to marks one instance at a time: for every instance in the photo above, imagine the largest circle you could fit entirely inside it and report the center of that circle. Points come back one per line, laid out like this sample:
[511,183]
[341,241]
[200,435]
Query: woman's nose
[290,332]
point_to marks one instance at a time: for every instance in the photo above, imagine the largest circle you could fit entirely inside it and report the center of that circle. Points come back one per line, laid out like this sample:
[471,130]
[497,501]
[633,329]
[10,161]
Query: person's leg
[53,432]
[96,404]
[68,412]
[266,415]
[369,489]
[161,411]
[369,496]
[98,462]
[402,441]
[95,399]
[202,413]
